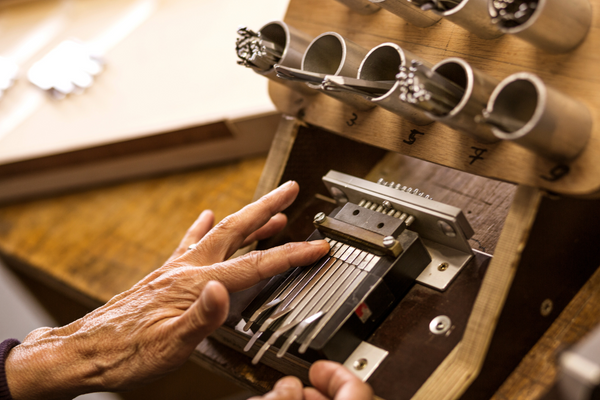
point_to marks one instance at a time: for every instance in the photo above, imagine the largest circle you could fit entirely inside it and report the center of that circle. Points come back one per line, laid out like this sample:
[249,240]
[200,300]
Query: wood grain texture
[572,73]
[461,367]
[100,242]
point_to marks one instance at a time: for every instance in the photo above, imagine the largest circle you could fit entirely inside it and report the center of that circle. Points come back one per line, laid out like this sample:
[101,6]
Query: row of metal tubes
[402,216]
[317,298]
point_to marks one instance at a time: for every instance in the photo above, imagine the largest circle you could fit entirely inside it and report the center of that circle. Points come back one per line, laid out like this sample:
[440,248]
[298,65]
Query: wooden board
[170,96]
[572,73]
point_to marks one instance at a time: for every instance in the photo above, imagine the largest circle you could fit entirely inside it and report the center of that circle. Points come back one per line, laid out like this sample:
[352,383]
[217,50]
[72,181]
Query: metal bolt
[389,242]
[443,266]
[386,204]
[319,218]
[546,307]
[440,325]
[360,364]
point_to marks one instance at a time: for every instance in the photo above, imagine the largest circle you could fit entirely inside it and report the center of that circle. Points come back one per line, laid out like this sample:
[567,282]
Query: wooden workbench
[92,245]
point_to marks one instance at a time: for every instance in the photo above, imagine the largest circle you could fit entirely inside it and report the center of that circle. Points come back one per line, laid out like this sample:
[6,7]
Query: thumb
[207,313]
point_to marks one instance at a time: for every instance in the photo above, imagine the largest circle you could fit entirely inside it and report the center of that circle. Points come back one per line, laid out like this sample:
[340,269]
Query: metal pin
[297,332]
[427,89]
[361,87]
[409,220]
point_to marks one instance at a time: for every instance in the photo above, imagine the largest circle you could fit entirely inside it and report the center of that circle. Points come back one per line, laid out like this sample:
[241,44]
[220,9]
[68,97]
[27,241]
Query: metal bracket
[364,360]
[443,229]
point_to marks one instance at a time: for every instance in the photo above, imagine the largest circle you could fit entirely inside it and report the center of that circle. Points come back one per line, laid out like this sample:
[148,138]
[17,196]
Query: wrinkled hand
[152,328]
[331,381]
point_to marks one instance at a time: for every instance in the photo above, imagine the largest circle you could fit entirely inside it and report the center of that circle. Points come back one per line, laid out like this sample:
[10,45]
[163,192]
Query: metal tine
[294,74]
[286,287]
[340,279]
[298,331]
[315,295]
[290,301]
[438,5]
[362,87]
[303,300]
[333,305]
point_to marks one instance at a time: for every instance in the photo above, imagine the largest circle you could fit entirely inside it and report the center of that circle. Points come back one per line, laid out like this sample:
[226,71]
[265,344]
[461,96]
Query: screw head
[443,266]
[360,364]
[389,242]
[440,325]
[386,204]
[319,218]
[546,307]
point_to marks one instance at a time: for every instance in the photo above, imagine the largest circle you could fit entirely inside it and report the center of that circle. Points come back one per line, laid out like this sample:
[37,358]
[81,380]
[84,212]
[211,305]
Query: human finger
[336,382]
[229,234]
[245,271]
[201,226]
[205,315]
[288,388]
[274,226]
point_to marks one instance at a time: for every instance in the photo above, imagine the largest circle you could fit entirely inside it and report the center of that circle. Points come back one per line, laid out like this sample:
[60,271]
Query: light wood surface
[572,73]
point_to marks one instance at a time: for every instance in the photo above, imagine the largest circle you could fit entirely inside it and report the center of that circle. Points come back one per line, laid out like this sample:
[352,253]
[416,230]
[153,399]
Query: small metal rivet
[443,266]
[360,364]
[389,242]
[447,228]
[440,325]
[319,218]
[546,307]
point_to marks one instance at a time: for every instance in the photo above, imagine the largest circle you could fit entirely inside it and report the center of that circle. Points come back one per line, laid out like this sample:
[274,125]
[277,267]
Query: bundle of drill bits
[255,51]
[427,89]
[437,5]
[511,13]
[335,83]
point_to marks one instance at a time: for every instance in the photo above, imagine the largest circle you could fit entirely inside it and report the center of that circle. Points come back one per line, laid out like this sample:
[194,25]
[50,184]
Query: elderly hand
[152,328]
[331,381]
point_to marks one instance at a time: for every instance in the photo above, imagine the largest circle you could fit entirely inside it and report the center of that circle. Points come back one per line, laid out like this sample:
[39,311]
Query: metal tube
[363,7]
[556,26]
[332,54]
[543,120]
[294,44]
[408,12]
[478,87]
[472,15]
[382,63]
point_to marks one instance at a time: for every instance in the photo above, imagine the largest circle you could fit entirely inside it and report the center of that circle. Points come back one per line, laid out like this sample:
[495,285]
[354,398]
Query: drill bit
[255,51]
[361,87]
[511,13]
[427,89]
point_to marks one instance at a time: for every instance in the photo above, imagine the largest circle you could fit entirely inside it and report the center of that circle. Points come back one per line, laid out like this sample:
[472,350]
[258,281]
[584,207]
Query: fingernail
[320,243]
[286,185]
[288,382]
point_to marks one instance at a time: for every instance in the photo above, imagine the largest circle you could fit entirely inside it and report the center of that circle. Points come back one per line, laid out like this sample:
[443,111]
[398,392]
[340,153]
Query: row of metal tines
[311,298]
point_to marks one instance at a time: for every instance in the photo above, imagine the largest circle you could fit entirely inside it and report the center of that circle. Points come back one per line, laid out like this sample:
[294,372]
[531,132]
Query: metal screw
[386,204]
[319,218]
[360,364]
[440,325]
[443,266]
[389,242]
[546,307]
